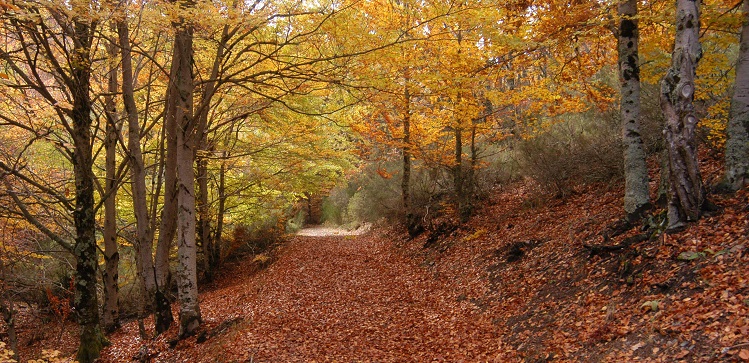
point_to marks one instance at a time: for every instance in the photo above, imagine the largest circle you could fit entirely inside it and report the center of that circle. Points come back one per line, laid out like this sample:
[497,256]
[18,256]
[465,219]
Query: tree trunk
[7,310]
[201,134]
[110,315]
[406,182]
[686,195]
[86,302]
[216,252]
[204,223]
[9,317]
[168,224]
[737,131]
[470,187]
[144,234]
[636,190]
[182,93]
[458,177]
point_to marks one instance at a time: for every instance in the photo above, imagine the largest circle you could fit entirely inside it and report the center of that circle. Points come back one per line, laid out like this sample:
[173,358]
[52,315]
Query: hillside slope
[515,284]
[558,287]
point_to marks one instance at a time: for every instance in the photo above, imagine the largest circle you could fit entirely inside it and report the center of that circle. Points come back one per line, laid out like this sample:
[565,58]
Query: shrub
[585,148]
[253,239]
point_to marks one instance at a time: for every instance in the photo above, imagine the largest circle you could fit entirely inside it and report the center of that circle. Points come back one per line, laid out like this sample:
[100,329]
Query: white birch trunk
[636,191]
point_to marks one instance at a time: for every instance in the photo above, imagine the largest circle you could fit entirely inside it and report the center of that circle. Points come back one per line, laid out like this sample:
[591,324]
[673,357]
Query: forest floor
[525,280]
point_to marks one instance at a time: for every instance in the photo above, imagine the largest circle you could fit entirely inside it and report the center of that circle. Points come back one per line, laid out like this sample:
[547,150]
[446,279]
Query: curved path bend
[339,299]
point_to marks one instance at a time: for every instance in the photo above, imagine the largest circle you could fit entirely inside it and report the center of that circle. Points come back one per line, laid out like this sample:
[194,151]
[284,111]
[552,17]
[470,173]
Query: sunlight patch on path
[323,231]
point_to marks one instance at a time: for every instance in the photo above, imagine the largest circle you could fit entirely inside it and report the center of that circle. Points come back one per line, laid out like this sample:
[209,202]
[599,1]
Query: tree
[686,196]
[43,38]
[146,270]
[737,132]
[636,191]
[181,109]
[110,315]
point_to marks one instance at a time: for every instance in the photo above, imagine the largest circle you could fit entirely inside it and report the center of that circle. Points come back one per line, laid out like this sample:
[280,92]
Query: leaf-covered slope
[515,284]
[683,296]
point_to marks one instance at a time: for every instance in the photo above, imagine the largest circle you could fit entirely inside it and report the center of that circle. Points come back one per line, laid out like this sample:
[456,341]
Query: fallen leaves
[382,297]
[744,354]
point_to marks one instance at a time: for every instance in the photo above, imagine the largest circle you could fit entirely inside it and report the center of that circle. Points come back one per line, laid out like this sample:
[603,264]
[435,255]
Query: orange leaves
[384,173]
[744,354]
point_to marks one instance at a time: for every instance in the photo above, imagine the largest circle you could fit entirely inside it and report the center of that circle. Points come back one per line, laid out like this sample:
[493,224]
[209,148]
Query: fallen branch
[598,249]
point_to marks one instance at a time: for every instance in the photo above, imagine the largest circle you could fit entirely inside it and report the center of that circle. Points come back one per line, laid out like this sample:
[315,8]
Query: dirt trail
[324,231]
[352,298]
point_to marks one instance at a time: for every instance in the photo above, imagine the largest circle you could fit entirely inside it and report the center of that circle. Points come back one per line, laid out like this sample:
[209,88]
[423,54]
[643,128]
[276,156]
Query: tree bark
[216,252]
[9,317]
[470,187]
[110,310]
[168,223]
[737,131]
[86,302]
[182,94]
[636,190]
[204,222]
[144,234]
[686,195]
[458,179]
[406,181]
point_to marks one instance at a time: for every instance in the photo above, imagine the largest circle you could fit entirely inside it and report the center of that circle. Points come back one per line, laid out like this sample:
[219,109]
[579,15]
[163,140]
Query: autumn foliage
[151,150]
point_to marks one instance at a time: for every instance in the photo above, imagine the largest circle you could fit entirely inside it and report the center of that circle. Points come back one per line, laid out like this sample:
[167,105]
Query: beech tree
[110,310]
[147,271]
[49,53]
[686,195]
[737,131]
[180,108]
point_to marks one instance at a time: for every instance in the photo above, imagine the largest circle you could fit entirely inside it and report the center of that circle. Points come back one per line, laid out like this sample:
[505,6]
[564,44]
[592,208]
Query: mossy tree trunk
[406,150]
[86,302]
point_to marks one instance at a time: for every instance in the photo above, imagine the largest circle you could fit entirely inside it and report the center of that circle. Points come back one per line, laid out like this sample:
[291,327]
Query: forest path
[326,231]
[344,299]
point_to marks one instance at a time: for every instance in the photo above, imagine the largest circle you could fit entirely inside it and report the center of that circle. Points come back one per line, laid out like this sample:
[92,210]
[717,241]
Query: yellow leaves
[52,356]
[6,355]
[475,235]
[716,122]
